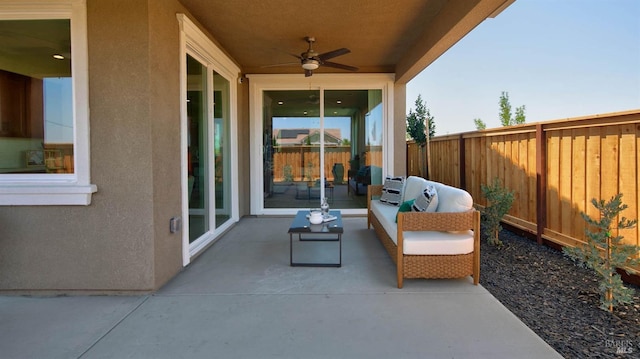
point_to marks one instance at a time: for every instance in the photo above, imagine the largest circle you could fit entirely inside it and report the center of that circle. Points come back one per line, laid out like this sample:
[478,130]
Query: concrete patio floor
[241,299]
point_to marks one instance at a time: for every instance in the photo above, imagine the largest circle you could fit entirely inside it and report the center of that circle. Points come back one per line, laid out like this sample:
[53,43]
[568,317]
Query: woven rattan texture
[418,221]
[438,266]
[430,266]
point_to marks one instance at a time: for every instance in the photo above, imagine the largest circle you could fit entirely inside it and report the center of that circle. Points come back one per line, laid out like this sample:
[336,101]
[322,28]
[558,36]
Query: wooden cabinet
[21,106]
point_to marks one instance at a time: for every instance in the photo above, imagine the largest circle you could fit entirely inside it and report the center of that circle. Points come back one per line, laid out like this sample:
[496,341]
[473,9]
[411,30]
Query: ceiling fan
[311,60]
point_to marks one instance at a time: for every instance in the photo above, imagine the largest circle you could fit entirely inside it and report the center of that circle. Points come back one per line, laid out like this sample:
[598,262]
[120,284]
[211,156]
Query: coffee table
[325,232]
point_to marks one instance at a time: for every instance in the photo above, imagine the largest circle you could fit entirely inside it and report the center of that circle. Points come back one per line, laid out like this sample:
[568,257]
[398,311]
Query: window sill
[47,195]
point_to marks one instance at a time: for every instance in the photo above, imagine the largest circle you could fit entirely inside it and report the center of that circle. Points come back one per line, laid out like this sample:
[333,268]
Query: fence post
[463,167]
[541,182]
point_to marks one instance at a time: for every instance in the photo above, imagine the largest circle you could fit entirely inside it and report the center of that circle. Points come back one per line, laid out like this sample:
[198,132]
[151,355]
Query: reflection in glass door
[221,149]
[197,153]
[296,171]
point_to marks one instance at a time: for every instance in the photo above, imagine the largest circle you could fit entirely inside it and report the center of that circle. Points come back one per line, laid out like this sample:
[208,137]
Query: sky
[558,58]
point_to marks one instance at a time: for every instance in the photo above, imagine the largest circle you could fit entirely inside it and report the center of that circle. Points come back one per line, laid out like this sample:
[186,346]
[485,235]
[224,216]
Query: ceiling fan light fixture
[310,64]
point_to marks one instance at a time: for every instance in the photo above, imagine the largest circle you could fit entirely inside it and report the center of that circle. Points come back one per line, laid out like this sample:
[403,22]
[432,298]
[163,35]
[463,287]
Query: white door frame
[195,43]
[258,83]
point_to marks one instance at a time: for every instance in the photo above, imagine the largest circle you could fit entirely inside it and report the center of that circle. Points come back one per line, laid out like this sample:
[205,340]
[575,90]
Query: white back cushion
[452,199]
[413,186]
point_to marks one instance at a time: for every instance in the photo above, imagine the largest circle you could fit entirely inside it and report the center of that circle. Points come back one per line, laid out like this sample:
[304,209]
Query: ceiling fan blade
[281,65]
[308,73]
[334,53]
[339,66]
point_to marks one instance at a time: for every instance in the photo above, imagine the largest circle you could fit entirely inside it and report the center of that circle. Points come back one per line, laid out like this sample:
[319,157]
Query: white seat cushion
[442,243]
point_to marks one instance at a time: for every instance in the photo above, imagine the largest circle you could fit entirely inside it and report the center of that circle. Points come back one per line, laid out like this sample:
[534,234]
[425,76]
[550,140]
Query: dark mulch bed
[558,300]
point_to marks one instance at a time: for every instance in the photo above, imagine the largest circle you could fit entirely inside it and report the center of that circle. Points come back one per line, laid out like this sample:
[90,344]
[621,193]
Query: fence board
[532,175]
[553,179]
[565,210]
[628,179]
[593,169]
[578,171]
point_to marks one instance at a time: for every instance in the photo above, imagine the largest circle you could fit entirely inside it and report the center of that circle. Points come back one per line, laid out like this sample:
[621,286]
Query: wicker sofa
[440,244]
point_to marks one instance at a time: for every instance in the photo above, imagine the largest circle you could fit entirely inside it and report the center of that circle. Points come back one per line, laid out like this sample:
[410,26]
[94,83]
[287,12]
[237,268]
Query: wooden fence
[555,169]
[302,162]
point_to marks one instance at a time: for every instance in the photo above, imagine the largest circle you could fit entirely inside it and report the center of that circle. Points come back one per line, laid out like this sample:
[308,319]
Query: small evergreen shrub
[308,171]
[499,201]
[605,252]
[288,173]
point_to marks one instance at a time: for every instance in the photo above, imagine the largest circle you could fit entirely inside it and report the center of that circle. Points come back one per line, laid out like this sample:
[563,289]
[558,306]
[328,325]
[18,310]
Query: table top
[313,184]
[301,224]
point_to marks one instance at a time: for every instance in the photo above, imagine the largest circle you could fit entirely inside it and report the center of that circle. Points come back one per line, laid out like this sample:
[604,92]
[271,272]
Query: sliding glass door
[208,149]
[221,149]
[209,157]
[321,143]
[198,149]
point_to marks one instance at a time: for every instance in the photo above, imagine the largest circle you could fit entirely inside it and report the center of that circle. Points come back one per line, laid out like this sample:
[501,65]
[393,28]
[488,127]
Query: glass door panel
[198,154]
[291,143]
[372,155]
[221,149]
[353,127]
[351,131]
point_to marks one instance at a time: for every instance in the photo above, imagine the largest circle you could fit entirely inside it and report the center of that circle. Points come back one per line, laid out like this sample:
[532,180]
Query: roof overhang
[401,37]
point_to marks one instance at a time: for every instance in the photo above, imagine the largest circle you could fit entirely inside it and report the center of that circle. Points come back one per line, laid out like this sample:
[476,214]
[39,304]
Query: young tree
[506,118]
[499,202]
[416,122]
[520,118]
[416,126]
[604,252]
[480,125]
[505,109]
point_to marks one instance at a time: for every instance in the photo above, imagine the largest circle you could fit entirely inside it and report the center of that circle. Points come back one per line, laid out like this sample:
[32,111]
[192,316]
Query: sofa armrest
[372,190]
[440,221]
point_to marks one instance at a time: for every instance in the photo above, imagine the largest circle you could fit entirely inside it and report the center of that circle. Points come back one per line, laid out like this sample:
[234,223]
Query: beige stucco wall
[399,129]
[244,148]
[164,86]
[121,242]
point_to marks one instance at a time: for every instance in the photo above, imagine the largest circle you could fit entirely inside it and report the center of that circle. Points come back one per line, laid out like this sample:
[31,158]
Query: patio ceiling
[401,37]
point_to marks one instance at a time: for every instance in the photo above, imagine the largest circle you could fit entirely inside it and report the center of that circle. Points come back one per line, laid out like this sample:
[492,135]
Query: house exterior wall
[121,242]
[164,65]
[399,129]
[244,149]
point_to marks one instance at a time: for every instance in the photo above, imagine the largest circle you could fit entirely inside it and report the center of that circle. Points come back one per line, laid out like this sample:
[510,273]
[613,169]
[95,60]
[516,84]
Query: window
[44,137]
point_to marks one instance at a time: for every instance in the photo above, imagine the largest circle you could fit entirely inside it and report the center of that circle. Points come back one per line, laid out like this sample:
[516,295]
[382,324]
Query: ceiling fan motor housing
[310,64]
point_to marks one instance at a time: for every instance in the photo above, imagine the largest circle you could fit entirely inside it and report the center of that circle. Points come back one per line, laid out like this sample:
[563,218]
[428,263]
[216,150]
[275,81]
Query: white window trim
[57,189]
[324,82]
[195,43]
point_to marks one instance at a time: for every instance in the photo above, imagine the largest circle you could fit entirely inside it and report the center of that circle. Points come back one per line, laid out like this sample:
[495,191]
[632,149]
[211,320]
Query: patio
[242,299]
